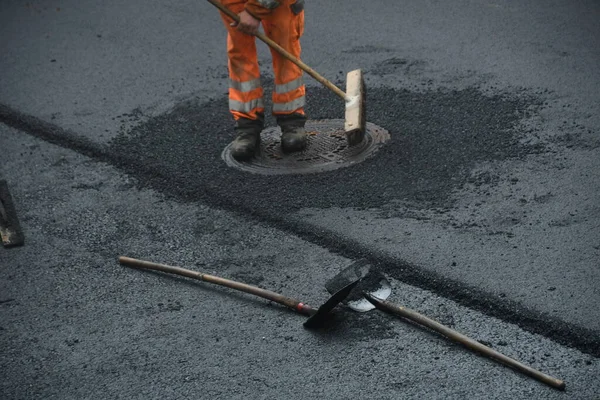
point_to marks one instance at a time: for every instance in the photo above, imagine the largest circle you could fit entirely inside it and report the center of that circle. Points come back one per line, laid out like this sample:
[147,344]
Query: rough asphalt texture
[76,324]
[437,139]
[486,195]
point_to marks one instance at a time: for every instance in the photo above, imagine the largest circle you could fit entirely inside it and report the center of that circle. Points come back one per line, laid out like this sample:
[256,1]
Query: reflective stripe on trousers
[289,107]
[245,86]
[290,86]
[245,92]
[246,97]
[289,97]
[246,107]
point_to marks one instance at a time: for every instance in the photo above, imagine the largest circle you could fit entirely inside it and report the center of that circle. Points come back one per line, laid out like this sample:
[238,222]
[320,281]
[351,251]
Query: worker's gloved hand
[248,24]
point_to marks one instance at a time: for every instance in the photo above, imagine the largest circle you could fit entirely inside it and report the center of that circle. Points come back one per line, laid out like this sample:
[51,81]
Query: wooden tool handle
[464,340]
[283,52]
[266,294]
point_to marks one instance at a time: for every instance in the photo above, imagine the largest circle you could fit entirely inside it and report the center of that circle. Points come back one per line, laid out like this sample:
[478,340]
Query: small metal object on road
[10,228]
[322,313]
[372,281]
[318,316]
[464,340]
[375,289]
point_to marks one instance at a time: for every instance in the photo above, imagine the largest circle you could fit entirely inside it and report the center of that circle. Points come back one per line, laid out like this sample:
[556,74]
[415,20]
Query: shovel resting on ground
[374,289]
[317,317]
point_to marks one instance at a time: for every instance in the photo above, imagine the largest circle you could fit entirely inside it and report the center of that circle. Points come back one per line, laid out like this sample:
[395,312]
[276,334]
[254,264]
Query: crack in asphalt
[436,137]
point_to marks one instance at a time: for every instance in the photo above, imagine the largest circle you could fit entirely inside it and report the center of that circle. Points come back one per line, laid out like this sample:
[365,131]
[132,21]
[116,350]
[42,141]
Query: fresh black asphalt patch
[438,136]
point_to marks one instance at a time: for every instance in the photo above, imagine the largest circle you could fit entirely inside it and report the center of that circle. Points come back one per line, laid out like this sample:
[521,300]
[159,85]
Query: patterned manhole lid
[327,150]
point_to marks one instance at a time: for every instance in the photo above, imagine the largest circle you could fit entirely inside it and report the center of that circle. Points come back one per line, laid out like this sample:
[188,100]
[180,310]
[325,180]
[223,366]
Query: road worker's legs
[285,26]
[245,90]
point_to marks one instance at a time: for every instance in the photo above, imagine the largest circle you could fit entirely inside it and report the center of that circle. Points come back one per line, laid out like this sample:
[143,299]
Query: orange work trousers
[245,89]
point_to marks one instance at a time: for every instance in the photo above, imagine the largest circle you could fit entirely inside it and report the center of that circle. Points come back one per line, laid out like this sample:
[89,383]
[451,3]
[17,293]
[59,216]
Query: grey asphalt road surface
[484,201]
[76,324]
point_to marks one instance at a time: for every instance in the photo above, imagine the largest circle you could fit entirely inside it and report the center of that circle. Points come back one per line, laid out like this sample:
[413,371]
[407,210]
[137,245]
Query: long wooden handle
[266,294]
[464,340]
[283,52]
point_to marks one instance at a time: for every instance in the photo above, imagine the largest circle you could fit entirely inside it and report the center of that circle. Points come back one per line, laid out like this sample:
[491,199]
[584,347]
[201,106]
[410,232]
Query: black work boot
[247,142]
[293,133]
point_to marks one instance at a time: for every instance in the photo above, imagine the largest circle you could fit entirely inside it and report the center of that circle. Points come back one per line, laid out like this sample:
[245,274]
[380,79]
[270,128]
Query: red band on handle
[299,307]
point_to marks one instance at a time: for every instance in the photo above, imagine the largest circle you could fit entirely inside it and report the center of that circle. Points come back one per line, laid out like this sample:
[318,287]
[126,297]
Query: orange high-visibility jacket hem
[283,24]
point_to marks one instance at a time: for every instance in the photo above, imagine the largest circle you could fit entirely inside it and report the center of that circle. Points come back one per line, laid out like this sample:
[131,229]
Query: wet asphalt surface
[482,209]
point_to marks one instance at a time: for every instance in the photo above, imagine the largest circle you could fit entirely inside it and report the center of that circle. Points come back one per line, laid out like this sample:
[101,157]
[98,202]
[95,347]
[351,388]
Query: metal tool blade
[382,292]
[371,281]
[321,315]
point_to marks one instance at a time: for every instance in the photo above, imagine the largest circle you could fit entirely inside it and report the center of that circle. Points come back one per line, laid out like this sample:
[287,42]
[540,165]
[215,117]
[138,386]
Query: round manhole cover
[327,150]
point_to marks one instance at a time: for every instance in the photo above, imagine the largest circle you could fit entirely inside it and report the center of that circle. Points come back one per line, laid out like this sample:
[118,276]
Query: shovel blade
[382,292]
[371,281]
[322,314]
[355,271]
